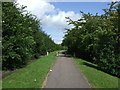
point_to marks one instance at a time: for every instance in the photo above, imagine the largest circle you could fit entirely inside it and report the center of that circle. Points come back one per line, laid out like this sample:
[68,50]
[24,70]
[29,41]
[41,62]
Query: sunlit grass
[32,76]
[96,77]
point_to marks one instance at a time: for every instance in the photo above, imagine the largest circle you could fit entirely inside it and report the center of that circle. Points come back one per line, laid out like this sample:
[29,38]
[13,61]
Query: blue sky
[92,7]
[52,14]
[86,7]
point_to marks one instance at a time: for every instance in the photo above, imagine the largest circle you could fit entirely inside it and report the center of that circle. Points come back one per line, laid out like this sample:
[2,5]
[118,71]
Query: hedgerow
[22,37]
[96,38]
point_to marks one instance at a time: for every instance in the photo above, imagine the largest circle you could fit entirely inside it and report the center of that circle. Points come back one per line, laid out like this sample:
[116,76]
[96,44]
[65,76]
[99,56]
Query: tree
[23,38]
[97,38]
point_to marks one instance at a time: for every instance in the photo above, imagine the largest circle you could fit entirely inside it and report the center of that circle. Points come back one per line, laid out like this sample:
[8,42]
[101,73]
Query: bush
[23,38]
[96,38]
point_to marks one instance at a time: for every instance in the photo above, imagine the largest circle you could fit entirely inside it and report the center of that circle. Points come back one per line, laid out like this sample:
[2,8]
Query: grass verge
[32,76]
[96,77]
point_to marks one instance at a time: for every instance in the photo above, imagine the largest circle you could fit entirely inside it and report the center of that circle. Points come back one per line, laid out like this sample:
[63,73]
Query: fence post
[47,53]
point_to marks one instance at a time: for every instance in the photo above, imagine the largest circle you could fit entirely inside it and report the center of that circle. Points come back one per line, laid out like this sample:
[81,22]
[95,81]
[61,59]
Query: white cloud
[59,20]
[50,16]
[40,8]
[37,7]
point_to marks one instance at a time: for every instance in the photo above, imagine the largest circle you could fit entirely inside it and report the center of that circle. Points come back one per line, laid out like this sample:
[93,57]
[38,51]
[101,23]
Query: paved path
[65,74]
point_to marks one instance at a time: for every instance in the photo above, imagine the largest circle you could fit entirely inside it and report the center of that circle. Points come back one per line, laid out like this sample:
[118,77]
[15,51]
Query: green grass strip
[31,76]
[96,78]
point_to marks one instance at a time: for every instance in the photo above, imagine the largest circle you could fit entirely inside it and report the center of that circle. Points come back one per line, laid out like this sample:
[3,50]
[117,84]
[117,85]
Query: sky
[52,14]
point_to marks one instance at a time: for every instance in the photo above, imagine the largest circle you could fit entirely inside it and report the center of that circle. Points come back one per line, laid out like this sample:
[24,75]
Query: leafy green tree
[22,37]
[96,38]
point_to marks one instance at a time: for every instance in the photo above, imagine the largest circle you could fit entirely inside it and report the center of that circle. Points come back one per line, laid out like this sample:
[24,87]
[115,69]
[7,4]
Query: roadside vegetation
[31,76]
[22,37]
[96,38]
[96,77]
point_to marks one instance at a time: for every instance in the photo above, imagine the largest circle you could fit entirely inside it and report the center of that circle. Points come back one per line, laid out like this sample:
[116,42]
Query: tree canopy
[22,37]
[96,38]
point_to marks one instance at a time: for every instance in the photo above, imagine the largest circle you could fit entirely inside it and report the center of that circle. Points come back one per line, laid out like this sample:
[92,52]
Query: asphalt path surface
[66,74]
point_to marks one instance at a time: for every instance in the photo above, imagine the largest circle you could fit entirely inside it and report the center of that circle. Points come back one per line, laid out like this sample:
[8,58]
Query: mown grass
[96,77]
[32,76]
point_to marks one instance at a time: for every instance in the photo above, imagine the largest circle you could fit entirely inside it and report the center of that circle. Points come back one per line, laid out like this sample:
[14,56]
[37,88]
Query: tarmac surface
[65,74]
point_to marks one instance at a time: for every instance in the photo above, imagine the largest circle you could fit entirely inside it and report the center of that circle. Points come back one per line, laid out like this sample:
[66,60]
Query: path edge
[46,78]
[82,73]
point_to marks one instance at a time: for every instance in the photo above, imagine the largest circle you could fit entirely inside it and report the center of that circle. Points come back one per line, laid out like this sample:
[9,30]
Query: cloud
[50,16]
[37,7]
[59,20]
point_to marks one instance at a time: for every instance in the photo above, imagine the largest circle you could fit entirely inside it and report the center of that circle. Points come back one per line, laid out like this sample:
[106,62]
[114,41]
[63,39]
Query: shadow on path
[63,54]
